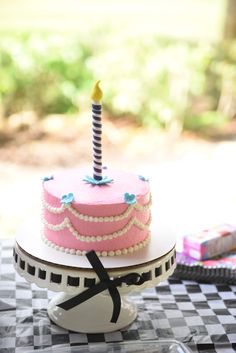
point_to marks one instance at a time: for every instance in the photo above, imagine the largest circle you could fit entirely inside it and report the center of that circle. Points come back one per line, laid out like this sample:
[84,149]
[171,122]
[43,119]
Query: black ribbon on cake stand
[94,289]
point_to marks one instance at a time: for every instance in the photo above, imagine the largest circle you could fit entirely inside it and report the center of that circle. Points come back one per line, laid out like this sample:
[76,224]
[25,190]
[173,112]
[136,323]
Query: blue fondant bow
[105,283]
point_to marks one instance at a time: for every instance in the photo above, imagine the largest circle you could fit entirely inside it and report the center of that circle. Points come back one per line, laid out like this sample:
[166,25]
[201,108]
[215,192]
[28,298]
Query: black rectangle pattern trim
[31,269]
[73,281]
[55,278]
[89,282]
[22,264]
[42,274]
[158,271]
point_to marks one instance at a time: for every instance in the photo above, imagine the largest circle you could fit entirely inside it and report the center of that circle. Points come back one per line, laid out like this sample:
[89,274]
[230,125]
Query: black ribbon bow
[105,283]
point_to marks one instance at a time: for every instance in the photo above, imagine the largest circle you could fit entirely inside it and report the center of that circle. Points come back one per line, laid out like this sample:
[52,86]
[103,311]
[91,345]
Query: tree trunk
[230,20]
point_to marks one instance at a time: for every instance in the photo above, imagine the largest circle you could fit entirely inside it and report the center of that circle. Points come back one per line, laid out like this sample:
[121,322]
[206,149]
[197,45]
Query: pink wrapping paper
[211,242]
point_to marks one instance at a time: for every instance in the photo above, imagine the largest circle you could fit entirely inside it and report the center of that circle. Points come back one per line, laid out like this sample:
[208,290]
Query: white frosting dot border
[103,253]
[90,238]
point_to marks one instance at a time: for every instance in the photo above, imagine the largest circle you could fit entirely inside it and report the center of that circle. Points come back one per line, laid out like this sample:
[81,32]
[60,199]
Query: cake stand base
[92,316]
[72,275]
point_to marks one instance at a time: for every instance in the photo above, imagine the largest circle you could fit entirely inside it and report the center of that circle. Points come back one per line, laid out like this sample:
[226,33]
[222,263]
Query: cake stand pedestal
[72,275]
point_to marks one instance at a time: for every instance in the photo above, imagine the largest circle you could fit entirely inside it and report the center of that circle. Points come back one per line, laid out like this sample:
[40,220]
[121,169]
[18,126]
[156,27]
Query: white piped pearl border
[77,214]
[90,238]
[104,253]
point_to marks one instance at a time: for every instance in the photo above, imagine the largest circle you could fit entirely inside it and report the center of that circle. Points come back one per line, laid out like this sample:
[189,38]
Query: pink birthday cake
[109,214]
[111,219]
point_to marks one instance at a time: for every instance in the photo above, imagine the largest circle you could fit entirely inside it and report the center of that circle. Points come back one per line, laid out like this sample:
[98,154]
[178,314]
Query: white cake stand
[73,274]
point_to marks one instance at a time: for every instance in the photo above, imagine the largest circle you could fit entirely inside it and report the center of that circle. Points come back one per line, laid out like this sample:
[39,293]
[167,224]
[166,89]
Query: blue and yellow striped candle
[97,131]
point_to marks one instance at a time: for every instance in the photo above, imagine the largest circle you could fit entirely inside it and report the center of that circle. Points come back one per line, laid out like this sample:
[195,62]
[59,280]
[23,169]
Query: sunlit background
[168,73]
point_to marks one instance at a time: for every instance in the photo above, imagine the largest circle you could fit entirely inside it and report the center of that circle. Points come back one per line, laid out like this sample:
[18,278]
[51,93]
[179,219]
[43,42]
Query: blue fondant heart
[67,199]
[130,198]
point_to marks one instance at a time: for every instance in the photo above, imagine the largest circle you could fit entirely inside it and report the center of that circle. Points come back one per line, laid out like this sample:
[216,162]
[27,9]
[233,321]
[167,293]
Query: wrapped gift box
[211,242]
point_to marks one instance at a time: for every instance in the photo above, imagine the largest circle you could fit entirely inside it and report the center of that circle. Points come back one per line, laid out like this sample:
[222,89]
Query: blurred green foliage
[157,81]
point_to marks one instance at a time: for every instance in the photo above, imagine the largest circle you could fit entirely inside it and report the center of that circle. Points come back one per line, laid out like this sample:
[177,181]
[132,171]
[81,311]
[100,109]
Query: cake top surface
[71,181]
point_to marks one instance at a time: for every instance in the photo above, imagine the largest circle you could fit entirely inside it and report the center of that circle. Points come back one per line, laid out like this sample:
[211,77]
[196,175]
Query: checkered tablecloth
[203,316]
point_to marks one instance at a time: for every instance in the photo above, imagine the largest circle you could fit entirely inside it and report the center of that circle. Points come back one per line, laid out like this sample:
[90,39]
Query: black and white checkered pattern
[201,315]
